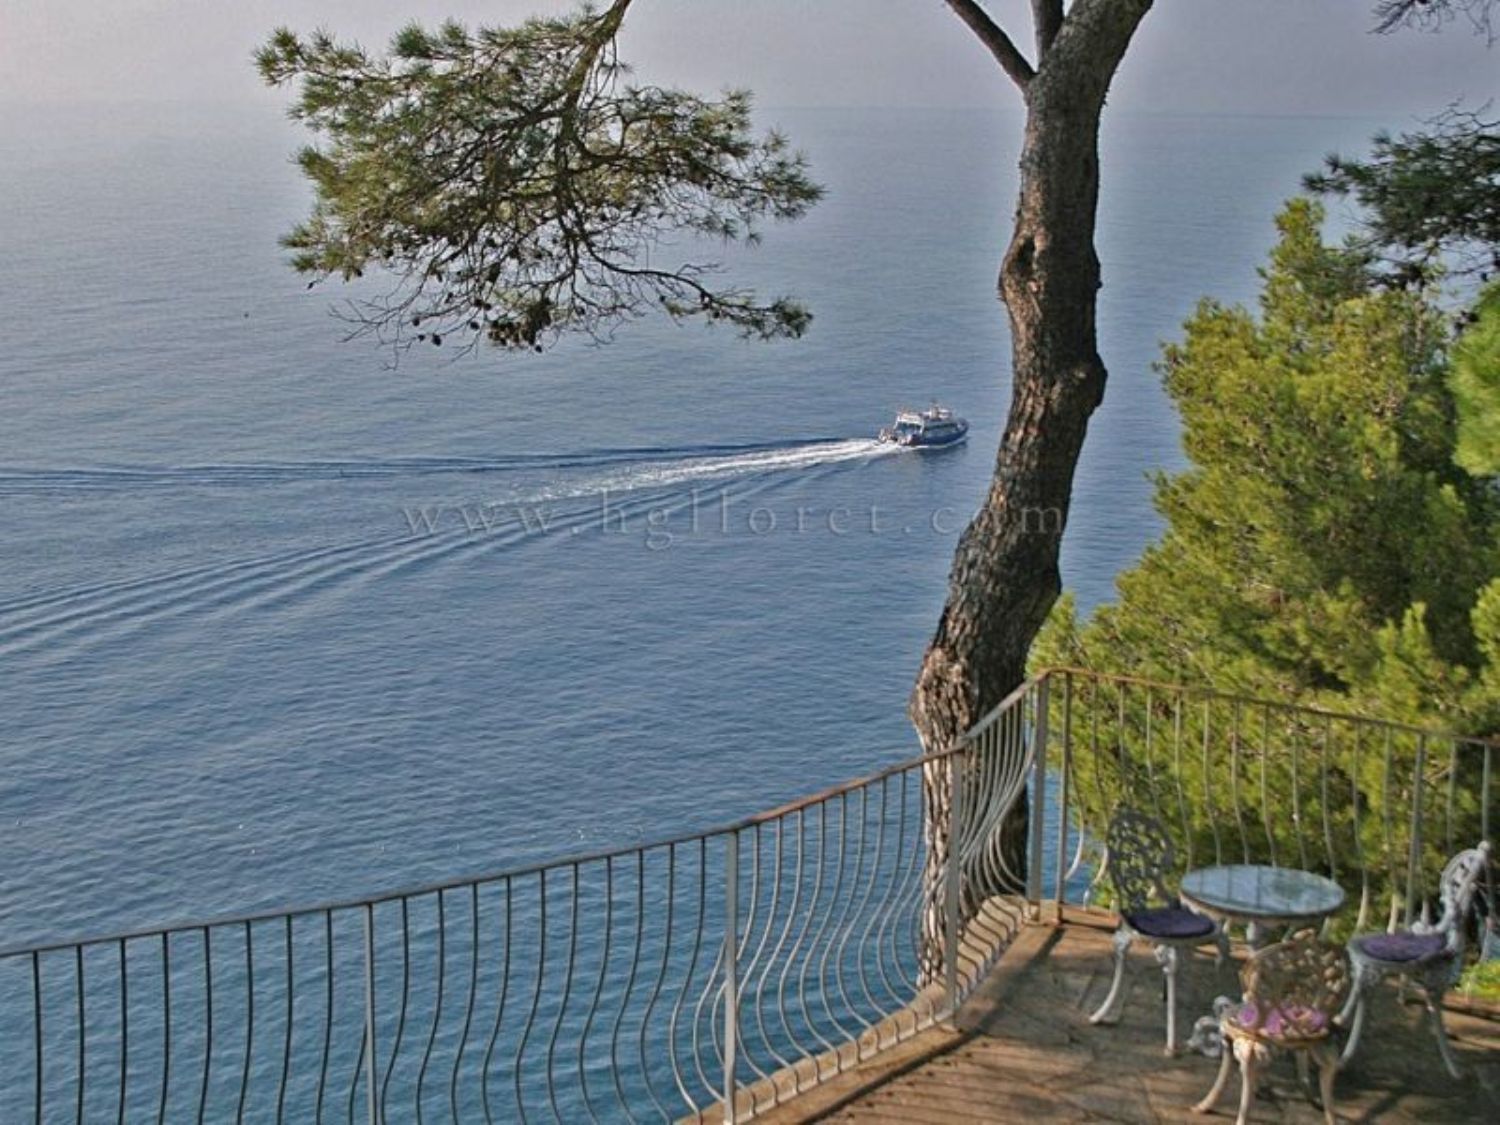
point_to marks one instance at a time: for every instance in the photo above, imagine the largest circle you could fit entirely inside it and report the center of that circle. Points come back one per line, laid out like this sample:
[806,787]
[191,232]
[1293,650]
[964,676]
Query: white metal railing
[724,972]
[721,972]
[1377,806]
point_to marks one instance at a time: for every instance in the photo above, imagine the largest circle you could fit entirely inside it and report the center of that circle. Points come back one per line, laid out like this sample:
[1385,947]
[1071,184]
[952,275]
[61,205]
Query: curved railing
[716,973]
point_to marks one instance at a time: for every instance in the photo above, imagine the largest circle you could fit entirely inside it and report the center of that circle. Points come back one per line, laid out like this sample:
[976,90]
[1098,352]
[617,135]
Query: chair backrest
[1294,988]
[1138,854]
[1458,885]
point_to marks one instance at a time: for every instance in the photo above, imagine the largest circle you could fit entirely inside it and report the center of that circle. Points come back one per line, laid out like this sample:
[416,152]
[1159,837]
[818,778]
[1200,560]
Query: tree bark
[1005,579]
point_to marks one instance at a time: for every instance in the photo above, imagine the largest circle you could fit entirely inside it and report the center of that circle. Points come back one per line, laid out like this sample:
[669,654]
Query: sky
[1312,57]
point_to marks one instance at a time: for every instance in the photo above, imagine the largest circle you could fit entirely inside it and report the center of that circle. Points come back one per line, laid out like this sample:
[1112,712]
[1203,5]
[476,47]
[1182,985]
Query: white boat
[922,429]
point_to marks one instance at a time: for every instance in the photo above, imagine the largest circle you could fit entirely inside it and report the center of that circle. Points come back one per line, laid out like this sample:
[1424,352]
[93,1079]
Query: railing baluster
[83,1070]
[1182,810]
[952,886]
[390,1067]
[463,1038]
[208,1007]
[1363,919]
[862,946]
[536,996]
[912,890]
[1120,734]
[1297,792]
[1065,793]
[1414,860]
[1484,797]
[1038,797]
[1326,799]
[124,1032]
[1235,742]
[731,977]
[828,932]
[327,1015]
[562,1004]
[371,1077]
[1207,774]
[1489,874]
[38,1036]
[1096,766]
[847,922]
[747,923]
[661,977]
[1452,793]
[286,1044]
[635,961]
[679,1074]
[489,1049]
[750,963]
[166,1027]
[1390,844]
[833,947]
[1149,753]
[820,864]
[599,987]
[786,963]
[437,1007]
[249,1018]
[361,1071]
[1265,797]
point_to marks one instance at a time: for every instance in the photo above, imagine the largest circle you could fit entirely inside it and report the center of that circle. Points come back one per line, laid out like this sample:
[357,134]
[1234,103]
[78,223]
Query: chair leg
[1167,956]
[1105,1010]
[1328,1066]
[1221,946]
[1433,992]
[1357,985]
[1226,1064]
[1361,1002]
[1249,1058]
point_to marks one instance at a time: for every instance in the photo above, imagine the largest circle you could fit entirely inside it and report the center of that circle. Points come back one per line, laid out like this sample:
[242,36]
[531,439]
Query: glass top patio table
[1260,893]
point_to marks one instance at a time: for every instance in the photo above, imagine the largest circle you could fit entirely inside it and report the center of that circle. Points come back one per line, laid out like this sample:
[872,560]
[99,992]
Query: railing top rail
[497,876]
[1432,733]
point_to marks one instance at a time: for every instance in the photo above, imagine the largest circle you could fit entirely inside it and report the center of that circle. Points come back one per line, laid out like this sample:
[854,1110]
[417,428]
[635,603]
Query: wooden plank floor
[1025,1052]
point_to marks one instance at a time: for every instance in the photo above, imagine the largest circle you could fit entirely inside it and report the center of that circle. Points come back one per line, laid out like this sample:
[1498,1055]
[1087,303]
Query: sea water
[280,621]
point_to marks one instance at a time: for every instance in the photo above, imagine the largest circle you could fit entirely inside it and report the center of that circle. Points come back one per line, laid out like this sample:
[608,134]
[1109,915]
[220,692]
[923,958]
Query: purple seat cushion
[1168,922]
[1403,946]
[1294,1022]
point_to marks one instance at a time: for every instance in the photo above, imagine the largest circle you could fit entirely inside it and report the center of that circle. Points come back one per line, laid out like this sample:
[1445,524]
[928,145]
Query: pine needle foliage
[1325,545]
[1476,388]
[512,184]
[1429,200]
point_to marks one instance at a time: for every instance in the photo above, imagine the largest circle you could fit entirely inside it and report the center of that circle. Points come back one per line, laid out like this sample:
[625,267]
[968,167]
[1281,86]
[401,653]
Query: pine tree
[1324,545]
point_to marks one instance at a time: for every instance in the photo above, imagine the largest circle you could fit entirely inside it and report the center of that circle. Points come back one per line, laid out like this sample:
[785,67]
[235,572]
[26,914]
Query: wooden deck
[1024,1051]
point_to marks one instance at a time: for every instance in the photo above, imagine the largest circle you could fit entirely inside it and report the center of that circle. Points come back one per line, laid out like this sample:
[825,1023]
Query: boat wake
[19,480]
[56,621]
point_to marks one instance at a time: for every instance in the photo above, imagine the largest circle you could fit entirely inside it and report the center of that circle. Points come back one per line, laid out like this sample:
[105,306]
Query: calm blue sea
[279,622]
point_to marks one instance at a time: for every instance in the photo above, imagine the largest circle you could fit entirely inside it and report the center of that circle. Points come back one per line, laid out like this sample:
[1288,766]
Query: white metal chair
[1292,991]
[1431,955]
[1138,854]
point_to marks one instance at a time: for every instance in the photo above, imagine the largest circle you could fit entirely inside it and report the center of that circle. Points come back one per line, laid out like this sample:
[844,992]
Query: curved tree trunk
[1005,578]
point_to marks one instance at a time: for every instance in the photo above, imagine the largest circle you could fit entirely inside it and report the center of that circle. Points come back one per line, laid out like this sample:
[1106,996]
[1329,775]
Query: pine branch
[994,37]
[1048,16]
[1429,15]
[508,185]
